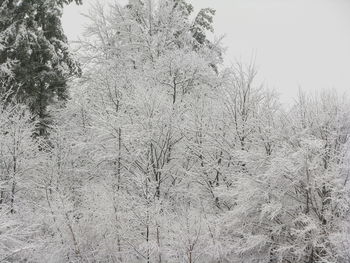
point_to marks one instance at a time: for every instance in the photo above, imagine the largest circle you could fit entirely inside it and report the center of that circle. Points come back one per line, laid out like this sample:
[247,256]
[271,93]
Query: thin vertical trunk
[116,188]
[47,193]
[13,189]
[158,243]
[1,197]
[155,167]
[147,239]
[175,90]
[147,212]
[312,256]
[41,113]
[13,195]
[307,209]
[74,239]
[119,183]
[71,230]
[119,157]
[217,178]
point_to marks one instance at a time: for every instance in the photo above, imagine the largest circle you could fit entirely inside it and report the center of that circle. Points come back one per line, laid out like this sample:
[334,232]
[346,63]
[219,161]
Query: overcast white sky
[297,43]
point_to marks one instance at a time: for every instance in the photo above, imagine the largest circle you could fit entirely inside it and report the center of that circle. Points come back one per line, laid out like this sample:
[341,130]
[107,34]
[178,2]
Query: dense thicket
[164,155]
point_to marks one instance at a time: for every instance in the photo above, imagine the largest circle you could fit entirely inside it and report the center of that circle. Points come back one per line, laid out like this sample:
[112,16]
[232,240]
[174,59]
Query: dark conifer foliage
[35,50]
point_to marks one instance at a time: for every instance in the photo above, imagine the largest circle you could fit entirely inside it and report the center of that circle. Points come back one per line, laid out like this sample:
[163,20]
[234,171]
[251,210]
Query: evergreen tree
[33,48]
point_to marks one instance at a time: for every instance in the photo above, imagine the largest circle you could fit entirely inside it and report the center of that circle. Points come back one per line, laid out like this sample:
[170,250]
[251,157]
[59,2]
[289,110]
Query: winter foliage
[161,153]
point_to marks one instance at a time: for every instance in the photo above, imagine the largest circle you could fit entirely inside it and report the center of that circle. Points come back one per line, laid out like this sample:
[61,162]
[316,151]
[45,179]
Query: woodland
[143,146]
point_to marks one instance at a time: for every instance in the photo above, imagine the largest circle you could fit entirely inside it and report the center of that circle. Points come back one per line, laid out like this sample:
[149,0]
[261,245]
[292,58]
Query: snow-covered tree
[290,206]
[35,50]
